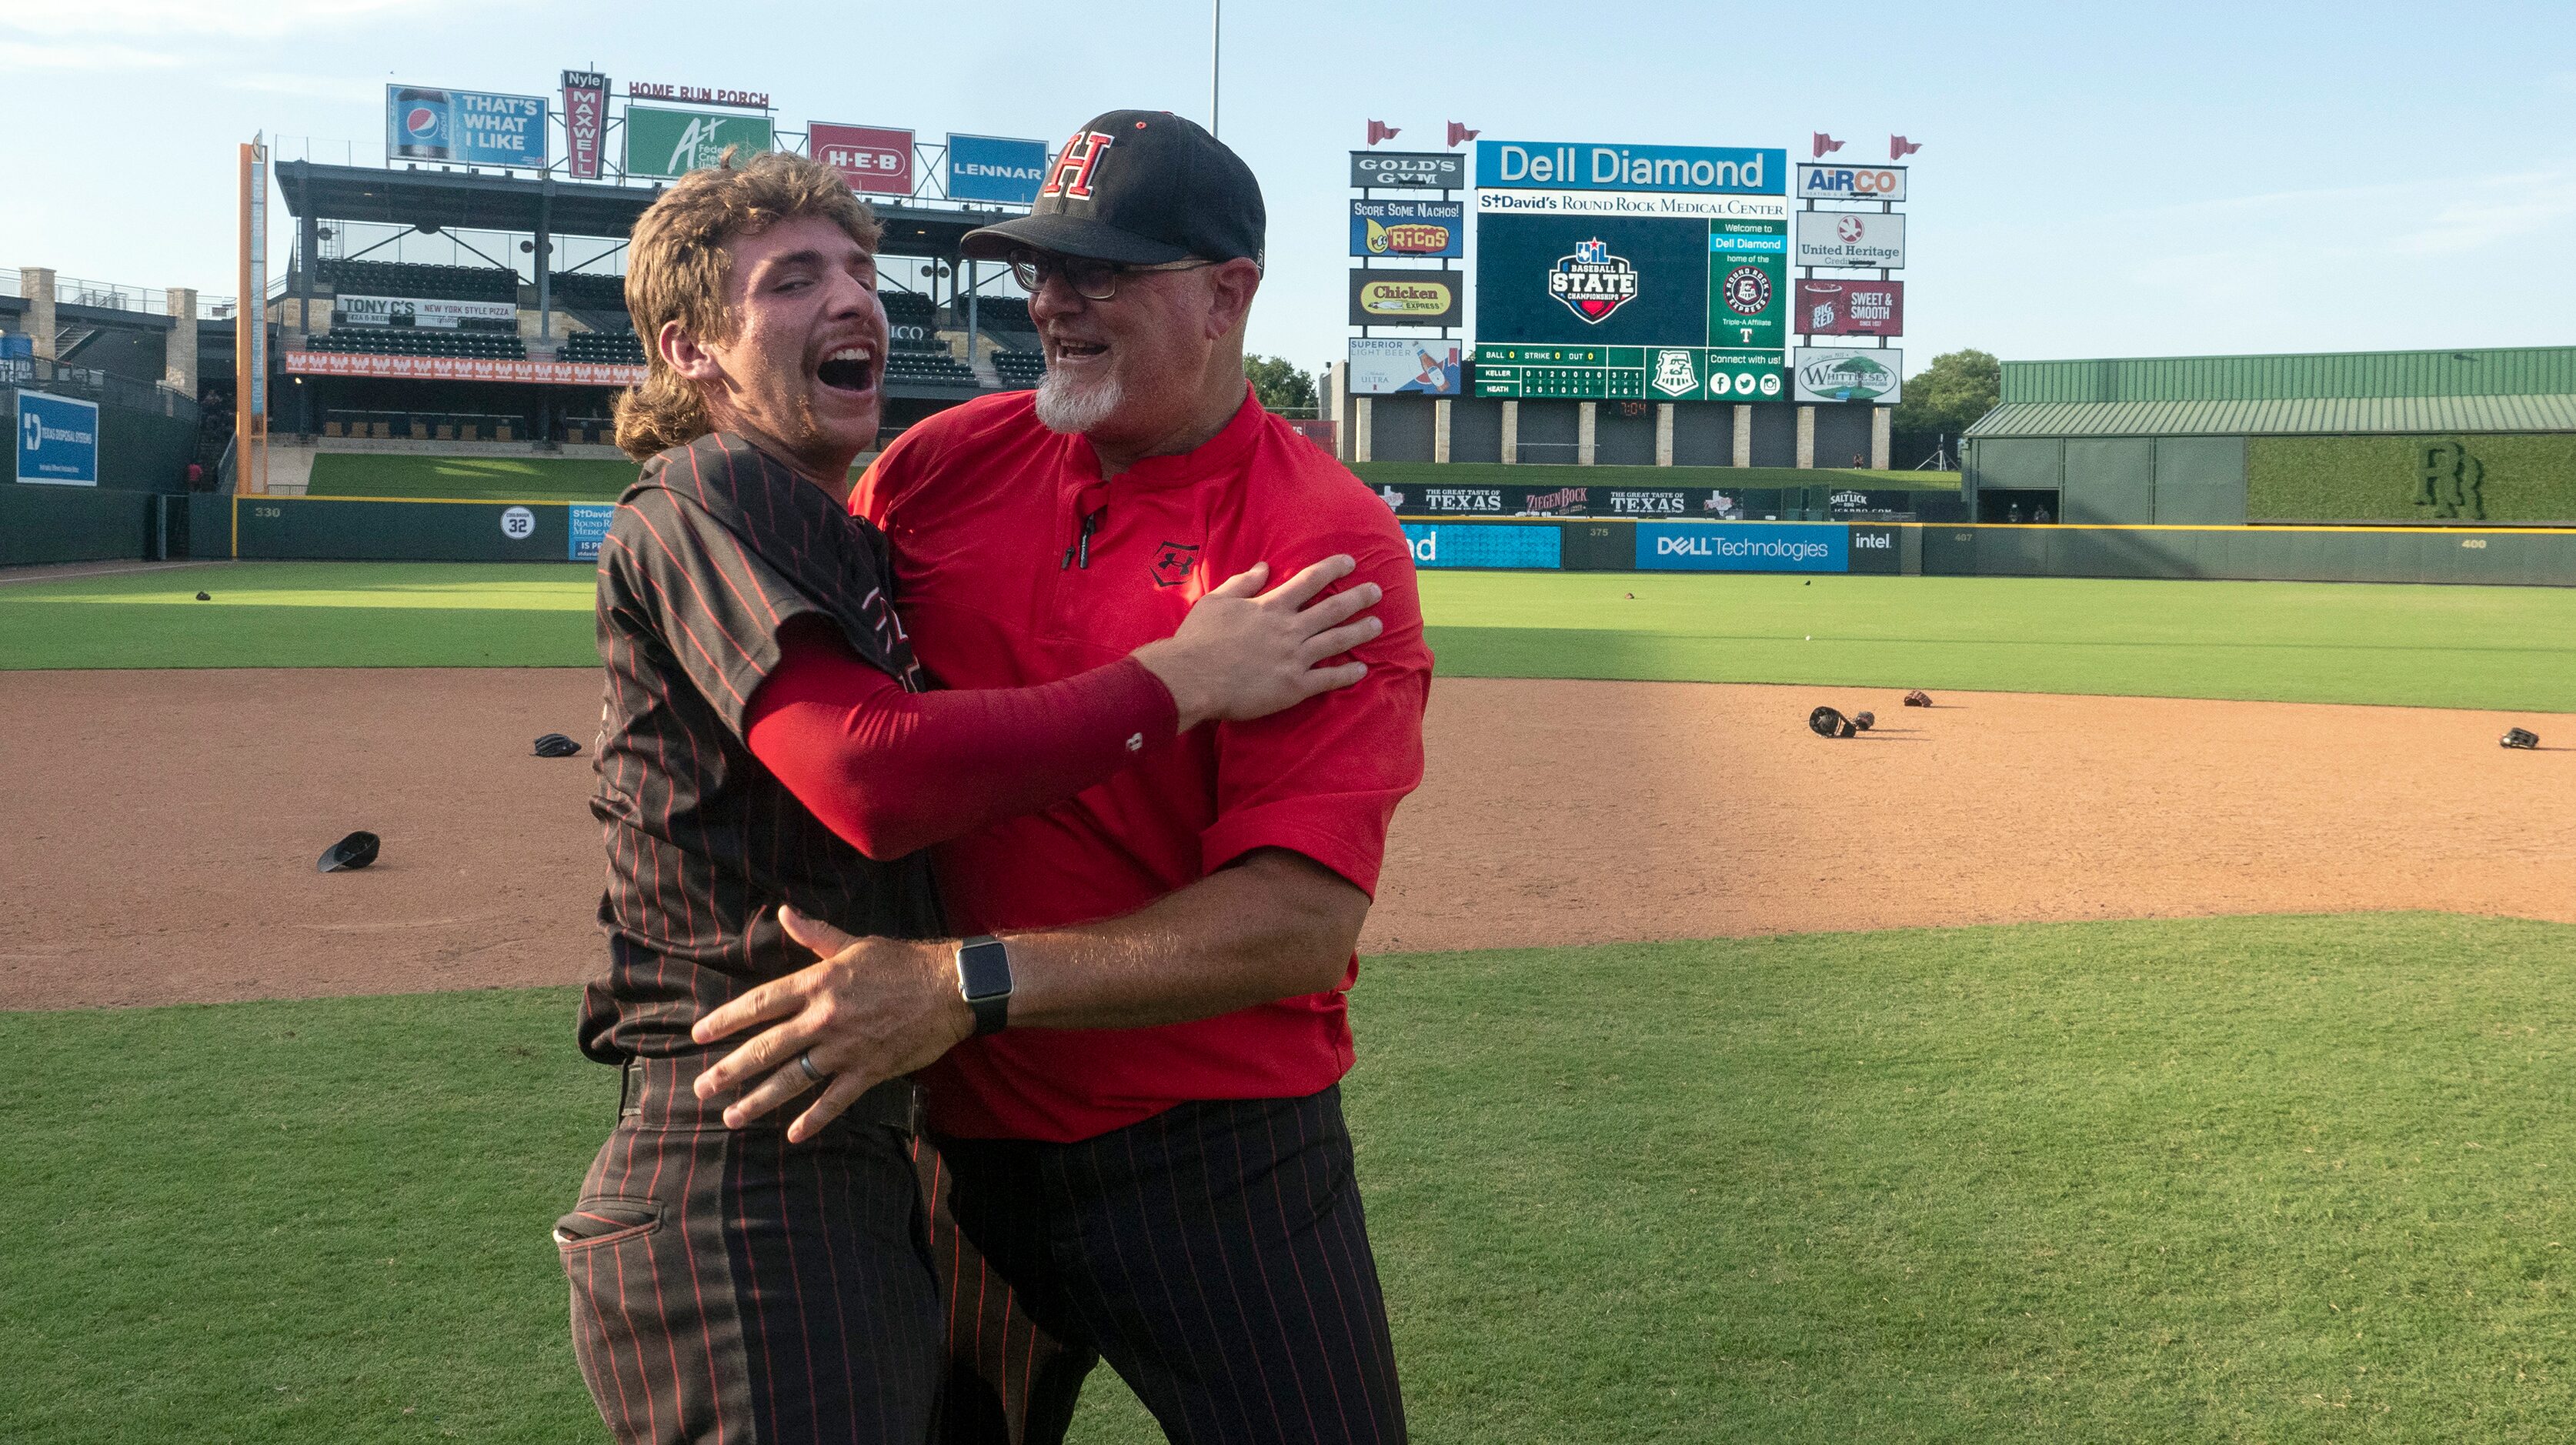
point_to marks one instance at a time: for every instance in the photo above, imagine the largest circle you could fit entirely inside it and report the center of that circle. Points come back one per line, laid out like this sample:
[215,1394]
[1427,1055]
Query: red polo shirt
[1001,585]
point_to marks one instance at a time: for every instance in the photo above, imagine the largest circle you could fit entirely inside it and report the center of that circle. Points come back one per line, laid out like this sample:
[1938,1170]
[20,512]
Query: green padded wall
[2111,482]
[2200,481]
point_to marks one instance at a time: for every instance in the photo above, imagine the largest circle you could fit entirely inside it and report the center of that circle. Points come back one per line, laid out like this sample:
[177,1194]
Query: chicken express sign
[1404,298]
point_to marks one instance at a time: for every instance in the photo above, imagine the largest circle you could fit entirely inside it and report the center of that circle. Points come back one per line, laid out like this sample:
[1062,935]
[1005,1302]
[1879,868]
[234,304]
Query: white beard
[1074,410]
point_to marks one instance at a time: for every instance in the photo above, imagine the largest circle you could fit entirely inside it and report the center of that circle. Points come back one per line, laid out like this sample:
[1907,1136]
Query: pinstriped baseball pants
[1216,1255]
[729,1287]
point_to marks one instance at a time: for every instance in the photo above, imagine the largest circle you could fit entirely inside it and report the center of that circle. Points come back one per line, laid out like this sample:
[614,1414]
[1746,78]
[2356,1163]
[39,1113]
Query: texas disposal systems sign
[1850,238]
[57,440]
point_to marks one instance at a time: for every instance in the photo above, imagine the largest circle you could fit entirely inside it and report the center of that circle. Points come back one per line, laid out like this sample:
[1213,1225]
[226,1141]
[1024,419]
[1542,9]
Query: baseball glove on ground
[2519,738]
[1827,723]
[1918,698]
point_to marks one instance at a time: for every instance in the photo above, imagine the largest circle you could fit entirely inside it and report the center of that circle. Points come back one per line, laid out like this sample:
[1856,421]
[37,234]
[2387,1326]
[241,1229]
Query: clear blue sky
[2094,180]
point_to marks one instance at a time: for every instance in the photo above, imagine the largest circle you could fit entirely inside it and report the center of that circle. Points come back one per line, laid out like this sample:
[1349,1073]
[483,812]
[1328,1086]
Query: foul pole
[250,328]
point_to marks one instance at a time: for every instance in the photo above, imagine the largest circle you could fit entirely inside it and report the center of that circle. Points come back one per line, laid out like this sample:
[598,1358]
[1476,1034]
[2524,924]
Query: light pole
[1216,33]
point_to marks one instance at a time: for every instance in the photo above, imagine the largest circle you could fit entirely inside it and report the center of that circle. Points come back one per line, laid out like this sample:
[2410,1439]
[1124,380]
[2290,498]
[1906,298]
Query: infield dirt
[158,829]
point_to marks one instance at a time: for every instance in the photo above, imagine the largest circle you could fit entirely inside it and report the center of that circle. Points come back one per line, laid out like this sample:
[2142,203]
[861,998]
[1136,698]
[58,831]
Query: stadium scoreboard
[1628,373]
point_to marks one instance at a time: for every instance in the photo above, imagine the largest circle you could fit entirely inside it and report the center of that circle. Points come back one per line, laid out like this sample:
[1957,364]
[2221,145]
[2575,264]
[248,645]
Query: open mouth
[1068,349]
[850,369]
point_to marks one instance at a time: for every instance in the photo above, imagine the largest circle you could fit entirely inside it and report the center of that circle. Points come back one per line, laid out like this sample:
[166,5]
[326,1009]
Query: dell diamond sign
[57,440]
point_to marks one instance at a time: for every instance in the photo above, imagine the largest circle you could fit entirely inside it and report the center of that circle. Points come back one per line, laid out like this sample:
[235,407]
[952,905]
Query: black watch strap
[984,981]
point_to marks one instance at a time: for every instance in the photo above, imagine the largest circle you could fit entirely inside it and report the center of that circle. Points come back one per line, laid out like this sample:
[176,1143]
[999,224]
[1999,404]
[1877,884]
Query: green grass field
[2277,1179]
[2484,647]
[512,479]
[2285,1179]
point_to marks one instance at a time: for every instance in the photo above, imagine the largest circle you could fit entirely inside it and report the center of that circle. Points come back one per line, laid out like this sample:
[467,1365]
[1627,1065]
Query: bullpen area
[2163,1036]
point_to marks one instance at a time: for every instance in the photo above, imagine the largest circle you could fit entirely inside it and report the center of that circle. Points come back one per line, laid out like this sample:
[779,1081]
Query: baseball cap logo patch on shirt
[1173,561]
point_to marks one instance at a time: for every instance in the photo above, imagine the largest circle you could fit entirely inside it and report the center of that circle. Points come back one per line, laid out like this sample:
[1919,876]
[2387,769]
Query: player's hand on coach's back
[1243,653]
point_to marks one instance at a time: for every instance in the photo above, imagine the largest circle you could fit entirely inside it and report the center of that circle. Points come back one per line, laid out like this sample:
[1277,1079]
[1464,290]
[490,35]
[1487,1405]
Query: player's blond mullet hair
[677,266]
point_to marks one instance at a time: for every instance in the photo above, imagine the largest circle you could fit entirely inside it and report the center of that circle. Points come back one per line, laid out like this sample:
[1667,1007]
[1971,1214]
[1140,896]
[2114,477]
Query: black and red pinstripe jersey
[714,547]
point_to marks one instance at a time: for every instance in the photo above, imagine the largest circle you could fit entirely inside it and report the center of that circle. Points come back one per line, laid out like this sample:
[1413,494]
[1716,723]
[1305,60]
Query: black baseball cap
[1140,187]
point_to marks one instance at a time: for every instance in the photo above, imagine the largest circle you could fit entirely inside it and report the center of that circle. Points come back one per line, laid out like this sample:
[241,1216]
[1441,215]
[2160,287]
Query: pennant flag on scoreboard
[1898,147]
[1379,130]
[1459,132]
[1825,143]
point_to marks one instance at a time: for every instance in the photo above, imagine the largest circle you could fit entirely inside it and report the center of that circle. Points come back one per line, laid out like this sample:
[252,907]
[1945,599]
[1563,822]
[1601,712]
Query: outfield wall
[49,524]
[380,530]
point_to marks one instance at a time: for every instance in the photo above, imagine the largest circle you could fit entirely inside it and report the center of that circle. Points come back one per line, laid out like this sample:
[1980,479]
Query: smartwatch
[984,981]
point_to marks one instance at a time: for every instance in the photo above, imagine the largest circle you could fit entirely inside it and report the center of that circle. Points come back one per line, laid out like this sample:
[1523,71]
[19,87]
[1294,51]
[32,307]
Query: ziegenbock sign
[1583,166]
[585,110]
[1850,183]
[1426,170]
[870,158]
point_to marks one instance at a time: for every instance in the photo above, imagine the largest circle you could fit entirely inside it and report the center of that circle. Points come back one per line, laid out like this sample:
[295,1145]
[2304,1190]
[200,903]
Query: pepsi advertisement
[995,168]
[465,127]
[1743,547]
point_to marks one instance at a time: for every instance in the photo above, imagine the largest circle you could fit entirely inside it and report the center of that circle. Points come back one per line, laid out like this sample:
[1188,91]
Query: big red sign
[1850,308]
[870,158]
[585,108]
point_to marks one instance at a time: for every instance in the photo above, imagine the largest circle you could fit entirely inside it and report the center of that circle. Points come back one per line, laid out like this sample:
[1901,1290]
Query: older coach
[1142,1114]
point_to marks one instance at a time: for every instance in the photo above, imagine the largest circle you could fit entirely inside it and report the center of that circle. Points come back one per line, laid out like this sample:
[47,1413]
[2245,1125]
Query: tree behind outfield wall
[1281,386]
[1956,389]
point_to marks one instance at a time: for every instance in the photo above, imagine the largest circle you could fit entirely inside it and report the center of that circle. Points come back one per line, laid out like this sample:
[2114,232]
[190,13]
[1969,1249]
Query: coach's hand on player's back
[1243,653]
[872,1009]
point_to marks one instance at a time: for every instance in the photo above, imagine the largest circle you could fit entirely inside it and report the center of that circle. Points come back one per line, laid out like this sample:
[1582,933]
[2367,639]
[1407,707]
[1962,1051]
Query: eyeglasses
[1091,280]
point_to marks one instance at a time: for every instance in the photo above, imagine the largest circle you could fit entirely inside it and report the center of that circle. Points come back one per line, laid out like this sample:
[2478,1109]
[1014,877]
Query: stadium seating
[424,426]
[1004,313]
[909,308]
[434,283]
[1019,370]
[587,290]
[422,341]
[935,367]
[617,348]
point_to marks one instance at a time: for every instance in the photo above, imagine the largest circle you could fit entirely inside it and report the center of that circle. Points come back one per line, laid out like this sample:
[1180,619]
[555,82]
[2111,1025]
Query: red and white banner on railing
[462,368]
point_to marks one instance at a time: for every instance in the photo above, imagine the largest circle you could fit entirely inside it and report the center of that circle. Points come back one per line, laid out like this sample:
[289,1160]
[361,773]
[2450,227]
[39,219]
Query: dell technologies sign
[1743,547]
[1423,170]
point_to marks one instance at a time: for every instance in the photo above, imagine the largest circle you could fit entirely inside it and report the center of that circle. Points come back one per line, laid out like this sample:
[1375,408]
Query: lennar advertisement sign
[1850,183]
[1391,366]
[1850,238]
[1847,373]
[1583,166]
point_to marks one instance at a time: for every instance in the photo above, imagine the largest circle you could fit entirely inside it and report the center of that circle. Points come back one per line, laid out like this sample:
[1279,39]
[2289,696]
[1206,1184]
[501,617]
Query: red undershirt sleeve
[893,771]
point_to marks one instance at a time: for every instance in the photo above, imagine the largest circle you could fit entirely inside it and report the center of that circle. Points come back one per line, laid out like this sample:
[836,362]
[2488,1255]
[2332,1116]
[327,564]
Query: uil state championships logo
[1593,283]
